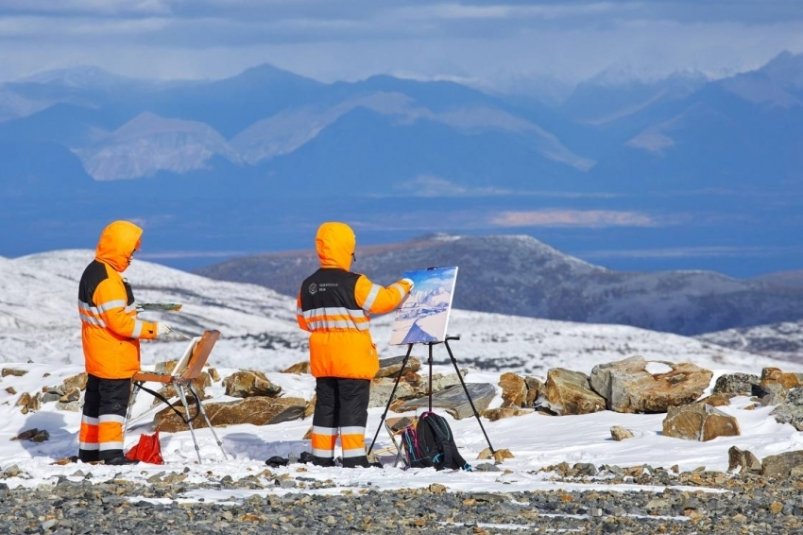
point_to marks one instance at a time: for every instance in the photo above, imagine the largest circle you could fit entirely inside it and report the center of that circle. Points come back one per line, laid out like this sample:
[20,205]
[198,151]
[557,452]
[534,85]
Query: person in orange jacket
[335,306]
[110,335]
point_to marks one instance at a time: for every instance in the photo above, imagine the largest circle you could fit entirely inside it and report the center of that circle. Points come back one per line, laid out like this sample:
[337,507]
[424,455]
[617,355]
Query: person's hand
[163,329]
[410,282]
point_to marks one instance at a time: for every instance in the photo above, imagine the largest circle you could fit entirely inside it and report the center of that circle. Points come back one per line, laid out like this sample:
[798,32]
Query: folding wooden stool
[186,370]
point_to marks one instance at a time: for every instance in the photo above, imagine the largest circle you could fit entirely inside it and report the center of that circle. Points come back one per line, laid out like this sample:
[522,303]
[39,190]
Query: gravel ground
[750,504]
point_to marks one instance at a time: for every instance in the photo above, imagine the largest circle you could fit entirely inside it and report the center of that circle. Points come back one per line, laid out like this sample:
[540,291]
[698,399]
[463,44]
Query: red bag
[147,450]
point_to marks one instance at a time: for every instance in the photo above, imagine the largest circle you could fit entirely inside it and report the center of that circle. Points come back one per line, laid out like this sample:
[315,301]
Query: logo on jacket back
[313,288]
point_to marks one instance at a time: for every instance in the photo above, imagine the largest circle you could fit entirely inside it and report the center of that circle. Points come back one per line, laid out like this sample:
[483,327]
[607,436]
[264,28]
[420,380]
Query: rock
[257,410]
[790,410]
[199,385]
[72,395]
[249,383]
[71,406]
[166,367]
[382,387]
[744,460]
[77,381]
[717,400]
[620,433]
[514,390]
[505,412]
[569,392]
[776,376]
[534,388]
[299,368]
[11,390]
[497,455]
[781,465]
[29,403]
[389,367]
[13,371]
[771,394]
[699,422]
[736,383]
[49,397]
[453,400]
[309,410]
[33,435]
[12,471]
[629,387]
[214,375]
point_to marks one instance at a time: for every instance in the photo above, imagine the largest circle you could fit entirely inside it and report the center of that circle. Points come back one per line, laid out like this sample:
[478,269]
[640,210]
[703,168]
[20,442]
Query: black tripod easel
[429,394]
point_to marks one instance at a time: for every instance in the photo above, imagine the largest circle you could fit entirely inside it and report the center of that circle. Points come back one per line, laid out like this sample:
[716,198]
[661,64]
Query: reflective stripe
[344,324]
[369,301]
[352,430]
[329,431]
[108,305]
[91,446]
[326,454]
[105,418]
[130,308]
[400,289]
[89,420]
[137,329]
[104,446]
[88,310]
[300,311]
[92,321]
[356,314]
[354,453]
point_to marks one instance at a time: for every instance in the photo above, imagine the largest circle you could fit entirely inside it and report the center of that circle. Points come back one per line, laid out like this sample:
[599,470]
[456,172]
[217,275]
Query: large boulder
[453,400]
[741,384]
[699,421]
[519,391]
[744,460]
[252,410]
[628,386]
[382,387]
[299,368]
[250,383]
[514,390]
[389,367]
[775,377]
[781,465]
[569,392]
[790,410]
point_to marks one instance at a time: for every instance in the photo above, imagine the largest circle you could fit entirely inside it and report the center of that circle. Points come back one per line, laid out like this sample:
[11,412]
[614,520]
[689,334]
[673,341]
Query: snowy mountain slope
[39,323]
[777,340]
[524,276]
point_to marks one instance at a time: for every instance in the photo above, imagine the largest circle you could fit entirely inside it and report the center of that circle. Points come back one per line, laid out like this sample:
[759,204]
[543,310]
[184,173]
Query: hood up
[335,243]
[117,243]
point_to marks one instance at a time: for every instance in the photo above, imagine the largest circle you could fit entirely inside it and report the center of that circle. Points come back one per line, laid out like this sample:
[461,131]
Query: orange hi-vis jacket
[110,330]
[335,305]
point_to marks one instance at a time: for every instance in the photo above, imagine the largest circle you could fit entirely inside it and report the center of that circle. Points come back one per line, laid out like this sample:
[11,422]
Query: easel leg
[180,390]
[465,389]
[390,399]
[430,376]
[208,423]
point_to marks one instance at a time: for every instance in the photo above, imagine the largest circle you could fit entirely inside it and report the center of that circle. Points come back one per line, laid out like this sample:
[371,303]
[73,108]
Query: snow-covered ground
[39,332]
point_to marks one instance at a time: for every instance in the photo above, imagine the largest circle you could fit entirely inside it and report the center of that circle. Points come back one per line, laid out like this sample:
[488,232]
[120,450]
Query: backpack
[431,443]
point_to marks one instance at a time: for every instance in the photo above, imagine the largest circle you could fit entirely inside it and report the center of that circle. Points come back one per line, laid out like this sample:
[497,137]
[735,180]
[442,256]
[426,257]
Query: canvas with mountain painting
[424,315]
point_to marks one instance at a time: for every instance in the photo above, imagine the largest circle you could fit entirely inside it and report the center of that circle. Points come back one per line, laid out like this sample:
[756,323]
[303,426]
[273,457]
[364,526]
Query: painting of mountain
[424,315]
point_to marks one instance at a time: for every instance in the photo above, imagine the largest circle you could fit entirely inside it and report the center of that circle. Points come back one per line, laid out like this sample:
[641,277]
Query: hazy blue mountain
[244,151]
[522,276]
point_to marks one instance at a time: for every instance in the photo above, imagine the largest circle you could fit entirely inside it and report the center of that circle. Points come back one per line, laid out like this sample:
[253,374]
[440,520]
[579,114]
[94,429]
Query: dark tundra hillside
[520,275]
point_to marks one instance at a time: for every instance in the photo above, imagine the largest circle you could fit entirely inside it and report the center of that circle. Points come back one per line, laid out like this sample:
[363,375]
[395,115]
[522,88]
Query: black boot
[120,460]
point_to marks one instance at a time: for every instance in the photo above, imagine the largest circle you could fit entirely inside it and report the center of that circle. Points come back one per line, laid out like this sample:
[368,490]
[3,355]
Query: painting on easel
[424,316]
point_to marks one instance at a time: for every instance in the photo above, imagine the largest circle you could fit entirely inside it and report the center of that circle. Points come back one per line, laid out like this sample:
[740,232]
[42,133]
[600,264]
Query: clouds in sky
[502,45]
[573,218]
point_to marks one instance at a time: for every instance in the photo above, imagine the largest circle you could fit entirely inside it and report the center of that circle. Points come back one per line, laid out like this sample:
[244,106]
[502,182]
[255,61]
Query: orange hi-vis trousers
[341,408]
[102,425]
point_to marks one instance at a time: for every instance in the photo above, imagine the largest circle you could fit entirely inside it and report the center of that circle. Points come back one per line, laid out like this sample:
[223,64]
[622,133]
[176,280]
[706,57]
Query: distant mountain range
[255,161]
[522,276]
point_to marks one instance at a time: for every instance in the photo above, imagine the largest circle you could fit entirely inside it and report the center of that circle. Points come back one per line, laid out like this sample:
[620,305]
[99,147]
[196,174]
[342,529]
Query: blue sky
[510,45]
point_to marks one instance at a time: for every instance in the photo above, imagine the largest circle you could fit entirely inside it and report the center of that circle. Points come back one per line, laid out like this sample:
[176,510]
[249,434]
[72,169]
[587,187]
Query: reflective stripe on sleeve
[399,288]
[137,329]
[108,305]
[369,301]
